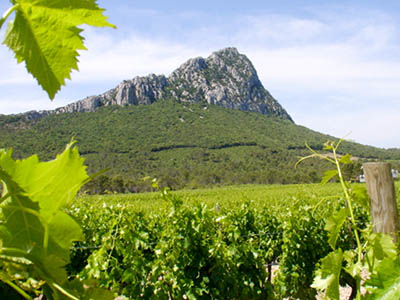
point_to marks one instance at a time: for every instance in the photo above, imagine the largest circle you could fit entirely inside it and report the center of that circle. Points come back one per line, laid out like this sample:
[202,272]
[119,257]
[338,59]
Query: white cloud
[28,103]
[366,126]
[351,59]
[279,29]
[327,67]
[134,55]
[11,72]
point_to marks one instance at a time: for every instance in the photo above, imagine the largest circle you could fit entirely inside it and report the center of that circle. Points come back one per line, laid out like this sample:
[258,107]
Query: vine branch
[7,14]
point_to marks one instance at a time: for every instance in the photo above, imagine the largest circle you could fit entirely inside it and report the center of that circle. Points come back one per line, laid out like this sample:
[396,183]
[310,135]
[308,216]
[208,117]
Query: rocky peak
[229,53]
[192,65]
[226,78]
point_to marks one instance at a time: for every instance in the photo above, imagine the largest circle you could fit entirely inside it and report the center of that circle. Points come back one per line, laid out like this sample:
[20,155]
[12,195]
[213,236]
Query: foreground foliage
[35,233]
[372,263]
[44,35]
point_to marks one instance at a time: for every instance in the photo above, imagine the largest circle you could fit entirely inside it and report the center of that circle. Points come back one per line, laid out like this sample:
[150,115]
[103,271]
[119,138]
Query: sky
[333,65]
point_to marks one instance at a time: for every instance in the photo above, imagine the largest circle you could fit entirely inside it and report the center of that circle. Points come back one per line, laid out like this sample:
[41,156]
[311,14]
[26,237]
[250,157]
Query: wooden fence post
[383,205]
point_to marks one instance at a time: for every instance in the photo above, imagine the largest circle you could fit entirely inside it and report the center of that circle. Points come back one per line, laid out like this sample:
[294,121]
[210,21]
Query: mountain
[187,134]
[226,78]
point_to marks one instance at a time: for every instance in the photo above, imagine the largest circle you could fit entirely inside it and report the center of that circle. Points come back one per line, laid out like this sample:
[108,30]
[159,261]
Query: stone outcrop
[226,78]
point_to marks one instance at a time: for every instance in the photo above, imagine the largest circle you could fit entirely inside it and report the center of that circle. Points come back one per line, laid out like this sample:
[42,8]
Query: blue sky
[333,65]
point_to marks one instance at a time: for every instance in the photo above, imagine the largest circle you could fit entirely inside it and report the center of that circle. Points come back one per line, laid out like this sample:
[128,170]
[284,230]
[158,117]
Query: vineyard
[215,243]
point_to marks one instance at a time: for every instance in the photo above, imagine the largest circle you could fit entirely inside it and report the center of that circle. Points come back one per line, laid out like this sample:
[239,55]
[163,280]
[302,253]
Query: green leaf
[41,181]
[333,225]
[353,267]
[327,276]
[346,159]
[45,35]
[328,175]
[89,290]
[381,246]
[360,195]
[7,14]
[329,145]
[32,224]
[385,283]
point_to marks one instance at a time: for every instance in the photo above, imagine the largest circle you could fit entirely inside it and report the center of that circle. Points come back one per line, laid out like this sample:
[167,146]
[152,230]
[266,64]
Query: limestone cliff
[226,78]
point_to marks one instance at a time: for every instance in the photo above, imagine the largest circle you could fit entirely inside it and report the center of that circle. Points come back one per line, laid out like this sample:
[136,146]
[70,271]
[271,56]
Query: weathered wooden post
[383,205]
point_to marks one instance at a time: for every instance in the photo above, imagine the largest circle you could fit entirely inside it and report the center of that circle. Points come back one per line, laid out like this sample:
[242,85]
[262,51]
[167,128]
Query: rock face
[226,78]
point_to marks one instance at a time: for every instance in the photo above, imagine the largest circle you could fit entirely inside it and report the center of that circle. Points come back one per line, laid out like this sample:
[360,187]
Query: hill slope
[182,144]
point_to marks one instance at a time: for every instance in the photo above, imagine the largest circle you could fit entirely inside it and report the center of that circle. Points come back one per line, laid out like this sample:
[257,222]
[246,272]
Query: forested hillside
[182,144]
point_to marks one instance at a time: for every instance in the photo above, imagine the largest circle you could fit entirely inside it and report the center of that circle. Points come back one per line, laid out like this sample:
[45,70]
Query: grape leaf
[45,35]
[360,195]
[353,267]
[328,145]
[327,276]
[385,283]
[346,159]
[89,290]
[32,224]
[333,225]
[328,175]
[41,181]
[381,246]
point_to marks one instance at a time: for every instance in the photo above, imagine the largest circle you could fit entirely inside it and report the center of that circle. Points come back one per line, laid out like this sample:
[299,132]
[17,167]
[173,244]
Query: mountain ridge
[225,78]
